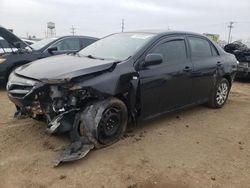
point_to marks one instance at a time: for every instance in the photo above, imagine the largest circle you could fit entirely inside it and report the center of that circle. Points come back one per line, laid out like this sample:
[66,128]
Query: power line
[72,30]
[230,26]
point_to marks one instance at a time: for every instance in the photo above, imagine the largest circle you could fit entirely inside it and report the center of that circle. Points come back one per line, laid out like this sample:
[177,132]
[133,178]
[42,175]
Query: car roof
[76,36]
[164,32]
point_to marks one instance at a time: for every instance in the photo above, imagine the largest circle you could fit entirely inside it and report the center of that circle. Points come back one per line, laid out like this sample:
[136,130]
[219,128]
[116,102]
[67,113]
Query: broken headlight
[11,76]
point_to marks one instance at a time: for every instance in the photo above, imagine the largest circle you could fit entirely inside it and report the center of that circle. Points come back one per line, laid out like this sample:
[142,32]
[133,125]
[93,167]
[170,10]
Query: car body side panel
[112,81]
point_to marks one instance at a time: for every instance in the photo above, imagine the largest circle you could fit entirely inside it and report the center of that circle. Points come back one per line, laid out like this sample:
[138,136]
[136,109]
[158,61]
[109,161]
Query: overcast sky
[102,17]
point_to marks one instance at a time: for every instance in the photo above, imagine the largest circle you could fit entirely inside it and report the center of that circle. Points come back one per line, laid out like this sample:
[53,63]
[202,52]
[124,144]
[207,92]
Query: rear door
[166,86]
[206,61]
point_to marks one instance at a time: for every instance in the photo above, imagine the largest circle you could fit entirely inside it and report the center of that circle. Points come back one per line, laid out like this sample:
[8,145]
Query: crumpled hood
[11,38]
[63,67]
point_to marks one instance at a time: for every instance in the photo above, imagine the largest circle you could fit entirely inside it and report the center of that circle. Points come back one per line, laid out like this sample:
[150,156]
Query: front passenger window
[68,44]
[172,51]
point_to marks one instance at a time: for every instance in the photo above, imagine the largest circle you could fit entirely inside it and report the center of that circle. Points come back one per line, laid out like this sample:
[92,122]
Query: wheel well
[124,99]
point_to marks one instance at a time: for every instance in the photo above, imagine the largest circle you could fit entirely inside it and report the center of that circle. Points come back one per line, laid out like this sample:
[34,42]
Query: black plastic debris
[75,151]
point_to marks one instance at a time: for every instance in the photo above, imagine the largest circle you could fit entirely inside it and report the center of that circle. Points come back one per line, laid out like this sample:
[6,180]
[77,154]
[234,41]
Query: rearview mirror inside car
[153,59]
[52,49]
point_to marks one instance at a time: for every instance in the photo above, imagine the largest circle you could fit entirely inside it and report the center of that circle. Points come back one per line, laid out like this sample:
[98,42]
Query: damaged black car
[123,77]
[242,54]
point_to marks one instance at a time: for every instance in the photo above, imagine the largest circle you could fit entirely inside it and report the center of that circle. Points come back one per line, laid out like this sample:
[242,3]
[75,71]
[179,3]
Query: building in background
[214,37]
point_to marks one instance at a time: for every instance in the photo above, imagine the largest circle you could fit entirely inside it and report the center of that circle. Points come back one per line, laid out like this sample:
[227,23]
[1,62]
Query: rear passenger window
[172,51]
[199,47]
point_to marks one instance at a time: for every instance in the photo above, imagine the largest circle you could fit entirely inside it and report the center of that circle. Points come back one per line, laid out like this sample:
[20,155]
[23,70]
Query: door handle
[187,69]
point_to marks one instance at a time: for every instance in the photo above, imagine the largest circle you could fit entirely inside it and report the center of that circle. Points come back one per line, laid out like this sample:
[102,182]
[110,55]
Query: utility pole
[230,26]
[73,30]
[122,25]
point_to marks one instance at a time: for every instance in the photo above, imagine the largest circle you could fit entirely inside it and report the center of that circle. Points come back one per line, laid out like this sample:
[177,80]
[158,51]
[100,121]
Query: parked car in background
[130,75]
[242,54]
[6,47]
[47,47]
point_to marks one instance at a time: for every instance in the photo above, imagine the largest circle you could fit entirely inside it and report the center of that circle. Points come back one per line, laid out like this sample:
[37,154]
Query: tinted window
[199,47]
[172,51]
[68,44]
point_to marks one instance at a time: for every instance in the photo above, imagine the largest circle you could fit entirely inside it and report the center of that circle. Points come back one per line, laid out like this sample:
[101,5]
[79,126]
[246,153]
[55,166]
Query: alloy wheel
[222,93]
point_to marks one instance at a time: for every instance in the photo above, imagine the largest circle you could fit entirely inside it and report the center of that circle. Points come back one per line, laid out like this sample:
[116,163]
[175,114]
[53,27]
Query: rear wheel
[220,94]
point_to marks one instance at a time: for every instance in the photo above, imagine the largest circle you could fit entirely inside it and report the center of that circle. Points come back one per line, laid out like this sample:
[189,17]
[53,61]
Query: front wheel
[103,122]
[220,94]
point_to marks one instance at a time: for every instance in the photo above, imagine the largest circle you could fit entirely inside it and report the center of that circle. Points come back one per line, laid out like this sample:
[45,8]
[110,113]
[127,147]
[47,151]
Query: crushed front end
[57,102]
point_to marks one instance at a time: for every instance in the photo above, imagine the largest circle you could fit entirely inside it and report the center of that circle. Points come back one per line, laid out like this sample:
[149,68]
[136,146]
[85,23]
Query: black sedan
[126,76]
[23,53]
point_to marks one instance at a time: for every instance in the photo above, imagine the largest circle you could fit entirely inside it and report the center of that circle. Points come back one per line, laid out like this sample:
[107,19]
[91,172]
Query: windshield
[117,46]
[38,45]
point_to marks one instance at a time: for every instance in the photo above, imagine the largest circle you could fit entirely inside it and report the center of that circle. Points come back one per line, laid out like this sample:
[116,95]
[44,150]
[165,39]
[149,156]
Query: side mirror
[153,59]
[52,49]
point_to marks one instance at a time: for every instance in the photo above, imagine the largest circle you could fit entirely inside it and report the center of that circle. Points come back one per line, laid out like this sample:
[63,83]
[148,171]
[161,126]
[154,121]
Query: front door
[166,86]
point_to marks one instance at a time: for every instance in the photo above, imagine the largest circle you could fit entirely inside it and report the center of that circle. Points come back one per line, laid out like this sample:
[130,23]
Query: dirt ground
[198,147]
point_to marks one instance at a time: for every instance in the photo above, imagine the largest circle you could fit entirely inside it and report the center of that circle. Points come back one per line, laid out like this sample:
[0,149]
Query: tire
[103,122]
[220,94]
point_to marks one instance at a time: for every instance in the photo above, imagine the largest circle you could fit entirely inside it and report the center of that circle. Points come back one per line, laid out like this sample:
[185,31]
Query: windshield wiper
[92,57]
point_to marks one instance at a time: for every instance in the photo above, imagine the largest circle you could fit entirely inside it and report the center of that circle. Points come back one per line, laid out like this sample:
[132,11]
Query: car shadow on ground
[2,87]
[243,80]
